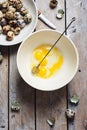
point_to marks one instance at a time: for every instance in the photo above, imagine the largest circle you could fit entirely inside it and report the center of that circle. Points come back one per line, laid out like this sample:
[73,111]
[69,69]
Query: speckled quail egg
[17,15]
[6,28]
[24,11]
[3,22]
[12,9]
[21,23]
[9,15]
[27,18]
[1,15]
[10,35]
[5,6]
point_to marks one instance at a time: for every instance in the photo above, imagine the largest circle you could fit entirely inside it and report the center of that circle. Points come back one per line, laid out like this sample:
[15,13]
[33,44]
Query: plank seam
[65,5]
[65,17]
[35,108]
[8,87]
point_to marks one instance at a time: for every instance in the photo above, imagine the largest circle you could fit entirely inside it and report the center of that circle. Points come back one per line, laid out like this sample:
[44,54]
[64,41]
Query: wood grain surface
[51,104]
[4,89]
[37,106]
[78,86]
[21,92]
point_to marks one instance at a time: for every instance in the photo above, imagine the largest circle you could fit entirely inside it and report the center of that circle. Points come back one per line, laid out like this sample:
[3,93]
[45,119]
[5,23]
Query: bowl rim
[77,61]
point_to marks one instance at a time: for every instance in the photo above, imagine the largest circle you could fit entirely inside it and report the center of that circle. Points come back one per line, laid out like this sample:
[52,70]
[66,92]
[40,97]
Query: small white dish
[66,72]
[28,29]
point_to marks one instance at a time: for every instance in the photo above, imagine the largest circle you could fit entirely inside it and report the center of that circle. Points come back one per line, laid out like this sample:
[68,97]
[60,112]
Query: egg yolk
[50,64]
[38,55]
[42,72]
[44,63]
[56,66]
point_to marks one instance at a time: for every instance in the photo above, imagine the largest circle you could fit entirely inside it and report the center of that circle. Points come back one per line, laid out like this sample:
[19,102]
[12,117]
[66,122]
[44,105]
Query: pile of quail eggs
[13,17]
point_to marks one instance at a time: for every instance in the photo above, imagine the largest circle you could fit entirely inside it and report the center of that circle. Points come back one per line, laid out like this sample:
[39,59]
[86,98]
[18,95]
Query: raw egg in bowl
[57,69]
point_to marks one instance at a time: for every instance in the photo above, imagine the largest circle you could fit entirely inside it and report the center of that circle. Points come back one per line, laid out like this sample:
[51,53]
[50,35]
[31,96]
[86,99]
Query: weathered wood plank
[51,104]
[24,94]
[78,85]
[4,89]
[43,6]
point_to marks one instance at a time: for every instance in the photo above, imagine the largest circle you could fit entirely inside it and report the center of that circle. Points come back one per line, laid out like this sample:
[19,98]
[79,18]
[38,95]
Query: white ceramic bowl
[63,76]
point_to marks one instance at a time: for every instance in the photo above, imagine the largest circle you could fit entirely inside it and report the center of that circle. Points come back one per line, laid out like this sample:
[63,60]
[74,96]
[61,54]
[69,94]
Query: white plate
[28,29]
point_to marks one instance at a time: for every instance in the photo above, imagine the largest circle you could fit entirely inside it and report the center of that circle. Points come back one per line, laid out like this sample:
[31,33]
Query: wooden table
[38,106]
